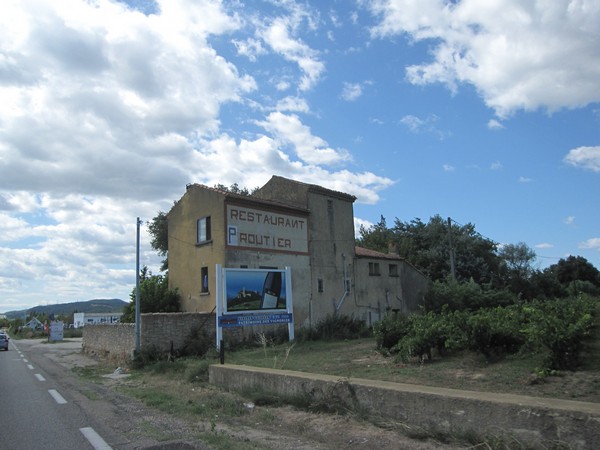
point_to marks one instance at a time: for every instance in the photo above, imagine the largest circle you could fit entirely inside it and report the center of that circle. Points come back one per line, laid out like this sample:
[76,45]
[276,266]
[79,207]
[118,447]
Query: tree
[377,237]
[576,268]
[155,296]
[427,246]
[159,230]
[518,268]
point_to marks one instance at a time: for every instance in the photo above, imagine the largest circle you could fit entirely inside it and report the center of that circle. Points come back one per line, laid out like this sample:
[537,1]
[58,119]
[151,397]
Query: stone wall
[113,342]
[169,330]
[165,331]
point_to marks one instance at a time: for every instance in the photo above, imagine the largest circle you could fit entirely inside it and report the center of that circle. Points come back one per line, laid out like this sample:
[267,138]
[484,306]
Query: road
[37,411]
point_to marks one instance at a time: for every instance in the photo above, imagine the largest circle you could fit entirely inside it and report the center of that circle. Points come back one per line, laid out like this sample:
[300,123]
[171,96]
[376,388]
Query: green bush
[495,332]
[390,330]
[430,331]
[197,343]
[561,327]
[338,327]
[465,296]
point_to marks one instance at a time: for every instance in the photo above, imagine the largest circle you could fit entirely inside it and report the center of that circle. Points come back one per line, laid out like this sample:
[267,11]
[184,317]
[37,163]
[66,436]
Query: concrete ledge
[535,422]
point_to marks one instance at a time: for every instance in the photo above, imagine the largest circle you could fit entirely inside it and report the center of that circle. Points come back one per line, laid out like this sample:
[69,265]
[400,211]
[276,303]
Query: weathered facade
[286,223]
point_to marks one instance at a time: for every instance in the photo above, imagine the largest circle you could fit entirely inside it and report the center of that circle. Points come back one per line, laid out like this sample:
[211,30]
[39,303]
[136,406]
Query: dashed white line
[29,366]
[40,377]
[57,397]
[94,438]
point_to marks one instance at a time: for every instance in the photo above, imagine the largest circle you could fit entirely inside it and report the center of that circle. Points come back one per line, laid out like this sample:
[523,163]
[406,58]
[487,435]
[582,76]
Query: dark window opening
[204,278]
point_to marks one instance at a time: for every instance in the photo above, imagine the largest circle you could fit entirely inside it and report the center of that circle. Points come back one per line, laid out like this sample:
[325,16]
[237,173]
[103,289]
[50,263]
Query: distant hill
[91,306]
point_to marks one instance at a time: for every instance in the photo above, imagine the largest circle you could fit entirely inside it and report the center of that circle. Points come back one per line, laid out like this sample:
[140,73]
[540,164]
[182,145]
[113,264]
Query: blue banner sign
[240,320]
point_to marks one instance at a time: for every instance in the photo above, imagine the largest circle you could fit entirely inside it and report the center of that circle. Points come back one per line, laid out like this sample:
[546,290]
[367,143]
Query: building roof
[314,188]
[362,252]
[248,199]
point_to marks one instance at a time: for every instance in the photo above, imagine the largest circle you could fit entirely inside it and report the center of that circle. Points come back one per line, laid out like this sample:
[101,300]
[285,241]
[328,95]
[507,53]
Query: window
[204,278]
[320,284]
[374,269]
[203,230]
[393,270]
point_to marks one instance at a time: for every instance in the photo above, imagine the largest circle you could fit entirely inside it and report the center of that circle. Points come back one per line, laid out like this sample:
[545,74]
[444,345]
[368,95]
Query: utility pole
[452,268]
[137,288]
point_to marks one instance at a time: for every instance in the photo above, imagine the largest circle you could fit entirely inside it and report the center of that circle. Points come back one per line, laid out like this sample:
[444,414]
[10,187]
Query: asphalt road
[37,411]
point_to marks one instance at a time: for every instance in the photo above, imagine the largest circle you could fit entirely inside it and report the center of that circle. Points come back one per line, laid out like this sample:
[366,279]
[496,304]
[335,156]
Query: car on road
[4,341]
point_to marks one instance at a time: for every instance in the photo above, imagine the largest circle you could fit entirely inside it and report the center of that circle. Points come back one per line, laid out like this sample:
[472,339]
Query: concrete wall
[538,423]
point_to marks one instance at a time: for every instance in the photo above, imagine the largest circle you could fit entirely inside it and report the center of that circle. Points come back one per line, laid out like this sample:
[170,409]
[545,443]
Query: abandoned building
[287,223]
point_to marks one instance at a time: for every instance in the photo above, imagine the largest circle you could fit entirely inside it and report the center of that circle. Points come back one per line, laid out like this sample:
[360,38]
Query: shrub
[339,327]
[495,332]
[428,331]
[561,326]
[197,343]
[390,330]
[465,296]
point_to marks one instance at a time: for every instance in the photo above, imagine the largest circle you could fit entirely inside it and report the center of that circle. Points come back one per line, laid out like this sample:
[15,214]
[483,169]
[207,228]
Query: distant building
[35,324]
[82,319]
[287,223]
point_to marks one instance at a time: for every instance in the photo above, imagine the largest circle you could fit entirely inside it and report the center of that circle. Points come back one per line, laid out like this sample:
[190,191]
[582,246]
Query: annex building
[286,223]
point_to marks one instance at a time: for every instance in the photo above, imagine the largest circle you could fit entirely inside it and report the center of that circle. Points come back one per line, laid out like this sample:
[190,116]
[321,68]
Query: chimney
[392,249]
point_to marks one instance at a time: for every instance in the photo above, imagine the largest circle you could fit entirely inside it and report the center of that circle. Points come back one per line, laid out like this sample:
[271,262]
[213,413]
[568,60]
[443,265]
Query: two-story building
[286,223]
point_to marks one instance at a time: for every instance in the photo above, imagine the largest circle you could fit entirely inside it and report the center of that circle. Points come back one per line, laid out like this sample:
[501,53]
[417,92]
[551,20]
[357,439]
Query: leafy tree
[518,268]
[575,268]
[377,237]
[159,230]
[427,246]
[155,296]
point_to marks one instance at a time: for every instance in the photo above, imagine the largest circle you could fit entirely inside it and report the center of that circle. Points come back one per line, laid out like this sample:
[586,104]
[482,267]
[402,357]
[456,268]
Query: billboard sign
[249,297]
[254,290]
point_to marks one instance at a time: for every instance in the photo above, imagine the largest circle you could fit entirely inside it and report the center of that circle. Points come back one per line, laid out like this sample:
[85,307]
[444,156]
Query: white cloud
[494,124]
[278,35]
[570,220]
[351,91]
[424,125]
[311,149]
[593,244]
[518,54]
[496,165]
[544,245]
[523,179]
[448,168]
[361,223]
[107,113]
[584,157]
[251,48]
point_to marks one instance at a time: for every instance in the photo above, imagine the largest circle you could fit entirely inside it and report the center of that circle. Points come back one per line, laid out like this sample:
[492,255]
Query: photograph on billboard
[254,290]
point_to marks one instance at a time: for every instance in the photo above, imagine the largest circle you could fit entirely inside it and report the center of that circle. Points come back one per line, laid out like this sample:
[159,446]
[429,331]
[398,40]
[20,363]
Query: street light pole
[137,289]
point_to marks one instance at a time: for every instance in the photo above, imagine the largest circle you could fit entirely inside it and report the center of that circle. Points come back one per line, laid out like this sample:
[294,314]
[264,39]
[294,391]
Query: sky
[484,112]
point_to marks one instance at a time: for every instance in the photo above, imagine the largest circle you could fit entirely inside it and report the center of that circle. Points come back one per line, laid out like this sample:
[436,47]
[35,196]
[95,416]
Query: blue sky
[485,112]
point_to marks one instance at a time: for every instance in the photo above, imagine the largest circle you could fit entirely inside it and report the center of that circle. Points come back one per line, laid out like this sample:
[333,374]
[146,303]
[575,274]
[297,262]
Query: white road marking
[25,361]
[40,377]
[94,438]
[57,397]
[30,366]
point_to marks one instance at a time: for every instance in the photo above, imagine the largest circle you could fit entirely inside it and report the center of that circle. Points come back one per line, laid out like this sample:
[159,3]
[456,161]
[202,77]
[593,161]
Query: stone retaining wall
[538,423]
[164,331]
